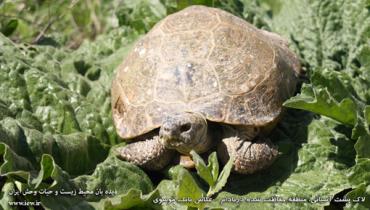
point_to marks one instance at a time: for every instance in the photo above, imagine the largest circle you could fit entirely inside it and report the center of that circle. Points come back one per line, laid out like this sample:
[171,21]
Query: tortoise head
[185,132]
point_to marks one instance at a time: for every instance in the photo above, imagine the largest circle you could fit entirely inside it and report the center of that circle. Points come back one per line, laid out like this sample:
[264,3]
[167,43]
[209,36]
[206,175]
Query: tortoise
[203,79]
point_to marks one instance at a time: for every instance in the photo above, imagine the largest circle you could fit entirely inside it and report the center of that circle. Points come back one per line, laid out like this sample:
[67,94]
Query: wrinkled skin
[187,131]
[251,152]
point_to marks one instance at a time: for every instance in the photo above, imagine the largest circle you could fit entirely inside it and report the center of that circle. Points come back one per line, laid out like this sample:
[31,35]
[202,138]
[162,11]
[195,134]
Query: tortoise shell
[203,60]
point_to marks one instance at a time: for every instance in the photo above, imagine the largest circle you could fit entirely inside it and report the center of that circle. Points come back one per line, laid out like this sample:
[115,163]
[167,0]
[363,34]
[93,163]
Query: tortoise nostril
[167,128]
[185,127]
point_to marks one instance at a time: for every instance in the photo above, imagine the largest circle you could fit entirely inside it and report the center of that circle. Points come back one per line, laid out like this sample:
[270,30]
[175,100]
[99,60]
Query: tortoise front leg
[250,156]
[149,154]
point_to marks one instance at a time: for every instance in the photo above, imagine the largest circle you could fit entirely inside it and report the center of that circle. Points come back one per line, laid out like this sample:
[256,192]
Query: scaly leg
[149,154]
[250,156]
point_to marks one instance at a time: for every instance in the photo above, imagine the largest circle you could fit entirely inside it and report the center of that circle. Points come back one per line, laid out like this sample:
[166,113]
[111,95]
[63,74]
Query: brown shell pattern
[203,60]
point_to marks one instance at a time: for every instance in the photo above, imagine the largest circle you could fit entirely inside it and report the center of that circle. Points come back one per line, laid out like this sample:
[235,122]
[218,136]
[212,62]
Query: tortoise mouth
[176,144]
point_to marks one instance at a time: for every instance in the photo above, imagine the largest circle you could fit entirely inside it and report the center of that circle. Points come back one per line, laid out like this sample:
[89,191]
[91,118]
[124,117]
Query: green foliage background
[57,59]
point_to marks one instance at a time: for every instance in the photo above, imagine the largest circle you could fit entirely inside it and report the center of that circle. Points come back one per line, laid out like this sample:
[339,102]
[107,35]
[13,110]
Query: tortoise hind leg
[250,156]
[149,154]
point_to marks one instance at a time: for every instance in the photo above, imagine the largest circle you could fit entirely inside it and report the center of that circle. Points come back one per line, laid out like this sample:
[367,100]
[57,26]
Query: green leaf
[65,202]
[203,171]
[186,186]
[50,176]
[360,173]
[9,27]
[65,149]
[167,189]
[14,164]
[222,179]
[367,117]
[140,14]
[50,170]
[362,191]
[5,195]
[81,14]
[362,146]
[12,134]
[339,84]
[361,132]
[321,102]
[4,111]
[132,199]
[213,165]
[105,177]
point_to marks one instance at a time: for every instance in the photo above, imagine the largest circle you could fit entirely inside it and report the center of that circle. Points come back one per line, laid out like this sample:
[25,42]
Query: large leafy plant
[56,130]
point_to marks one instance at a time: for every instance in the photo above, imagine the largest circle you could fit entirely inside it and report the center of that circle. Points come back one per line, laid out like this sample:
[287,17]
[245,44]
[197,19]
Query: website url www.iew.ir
[24,203]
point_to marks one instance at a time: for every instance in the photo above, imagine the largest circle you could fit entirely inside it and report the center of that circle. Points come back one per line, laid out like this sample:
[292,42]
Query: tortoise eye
[185,127]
